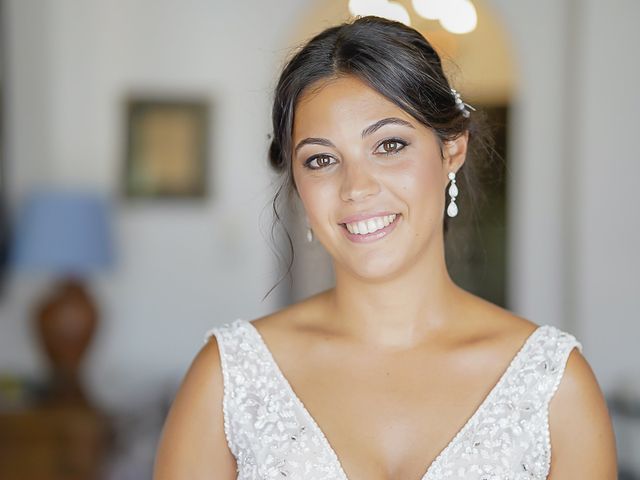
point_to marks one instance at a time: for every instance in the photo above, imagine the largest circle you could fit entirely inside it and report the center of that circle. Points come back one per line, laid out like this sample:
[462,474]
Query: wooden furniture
[53,443]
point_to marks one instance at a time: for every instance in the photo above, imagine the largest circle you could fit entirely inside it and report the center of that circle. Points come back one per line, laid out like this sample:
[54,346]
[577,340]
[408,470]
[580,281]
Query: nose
[358,182]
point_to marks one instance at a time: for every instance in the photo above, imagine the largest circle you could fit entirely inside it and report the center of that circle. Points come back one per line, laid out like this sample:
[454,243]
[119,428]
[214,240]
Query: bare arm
[582,438]
[193,445]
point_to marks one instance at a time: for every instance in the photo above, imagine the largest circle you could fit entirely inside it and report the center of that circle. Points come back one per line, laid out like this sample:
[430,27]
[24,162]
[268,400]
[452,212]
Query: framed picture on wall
[166,152]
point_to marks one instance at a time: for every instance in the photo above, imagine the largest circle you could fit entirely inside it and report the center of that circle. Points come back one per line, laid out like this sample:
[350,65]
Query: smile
[371,229]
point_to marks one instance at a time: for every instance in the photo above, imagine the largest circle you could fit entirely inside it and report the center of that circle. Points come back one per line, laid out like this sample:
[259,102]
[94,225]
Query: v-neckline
[325,442]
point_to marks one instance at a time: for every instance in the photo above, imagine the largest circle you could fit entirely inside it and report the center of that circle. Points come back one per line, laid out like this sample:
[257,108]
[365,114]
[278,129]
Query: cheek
[317,198]
[420,180]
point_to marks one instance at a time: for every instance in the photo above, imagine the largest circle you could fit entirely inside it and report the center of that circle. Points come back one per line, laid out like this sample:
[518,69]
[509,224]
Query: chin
[375,269]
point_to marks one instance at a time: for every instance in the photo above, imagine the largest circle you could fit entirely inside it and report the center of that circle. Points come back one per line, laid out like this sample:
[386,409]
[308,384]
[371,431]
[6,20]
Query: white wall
[535,287]
[606,172]
[182,268]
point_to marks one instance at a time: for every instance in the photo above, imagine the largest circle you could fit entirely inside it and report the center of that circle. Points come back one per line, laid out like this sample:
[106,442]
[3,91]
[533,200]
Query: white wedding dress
[273,436]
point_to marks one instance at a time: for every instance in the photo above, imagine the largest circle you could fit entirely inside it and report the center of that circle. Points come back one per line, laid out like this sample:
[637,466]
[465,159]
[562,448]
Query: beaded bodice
[273,436]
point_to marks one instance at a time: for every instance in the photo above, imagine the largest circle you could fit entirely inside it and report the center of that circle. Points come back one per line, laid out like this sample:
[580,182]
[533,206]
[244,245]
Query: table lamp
[67,234]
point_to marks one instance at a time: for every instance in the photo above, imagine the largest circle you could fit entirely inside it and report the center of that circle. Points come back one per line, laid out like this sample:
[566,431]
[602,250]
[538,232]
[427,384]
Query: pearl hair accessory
[460,105]
[452,209]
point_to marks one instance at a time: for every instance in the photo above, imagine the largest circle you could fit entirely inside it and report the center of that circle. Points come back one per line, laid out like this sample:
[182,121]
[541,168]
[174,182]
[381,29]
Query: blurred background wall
[183,267]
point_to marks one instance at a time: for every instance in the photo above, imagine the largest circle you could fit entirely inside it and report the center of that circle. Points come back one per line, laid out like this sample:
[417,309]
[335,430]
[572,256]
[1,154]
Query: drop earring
[452,209]
[309,232]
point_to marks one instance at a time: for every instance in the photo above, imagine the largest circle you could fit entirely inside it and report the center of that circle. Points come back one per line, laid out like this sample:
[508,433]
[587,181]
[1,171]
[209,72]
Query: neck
[400,311]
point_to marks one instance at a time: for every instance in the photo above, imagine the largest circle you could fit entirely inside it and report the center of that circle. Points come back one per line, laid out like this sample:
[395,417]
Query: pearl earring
[309,231]
[452,209]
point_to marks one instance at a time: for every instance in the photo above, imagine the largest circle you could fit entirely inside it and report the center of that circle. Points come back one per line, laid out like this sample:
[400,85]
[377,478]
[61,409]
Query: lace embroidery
[272,435]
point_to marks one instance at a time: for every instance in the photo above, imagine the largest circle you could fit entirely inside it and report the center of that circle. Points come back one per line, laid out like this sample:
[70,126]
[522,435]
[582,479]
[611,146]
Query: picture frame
[167,148]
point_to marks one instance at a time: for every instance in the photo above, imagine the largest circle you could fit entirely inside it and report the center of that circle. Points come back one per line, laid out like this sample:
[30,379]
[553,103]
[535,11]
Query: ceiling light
[365,7]
[459,16]
[380,8]
[395,11]
[430,9]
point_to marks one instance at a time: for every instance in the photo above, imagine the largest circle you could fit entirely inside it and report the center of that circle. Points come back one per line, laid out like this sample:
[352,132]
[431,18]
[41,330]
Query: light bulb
[395,11]
[380,8]
[459,16]
[430,9]
[365,7]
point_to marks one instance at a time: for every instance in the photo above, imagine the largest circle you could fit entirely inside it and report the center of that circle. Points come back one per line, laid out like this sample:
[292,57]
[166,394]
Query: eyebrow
[367,131]
[385,121]
[314,141]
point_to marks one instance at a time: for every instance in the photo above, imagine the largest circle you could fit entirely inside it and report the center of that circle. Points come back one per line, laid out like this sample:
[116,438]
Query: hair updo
[393,59]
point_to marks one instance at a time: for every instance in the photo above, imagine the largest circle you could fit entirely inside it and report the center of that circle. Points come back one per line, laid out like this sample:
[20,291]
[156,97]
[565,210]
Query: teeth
[370,225]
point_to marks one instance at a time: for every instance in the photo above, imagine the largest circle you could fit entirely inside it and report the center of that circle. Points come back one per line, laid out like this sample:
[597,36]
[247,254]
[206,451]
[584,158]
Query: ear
[455,153]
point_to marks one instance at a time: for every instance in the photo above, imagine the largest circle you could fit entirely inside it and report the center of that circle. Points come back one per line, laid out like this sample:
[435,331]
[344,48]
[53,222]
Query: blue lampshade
[66,233]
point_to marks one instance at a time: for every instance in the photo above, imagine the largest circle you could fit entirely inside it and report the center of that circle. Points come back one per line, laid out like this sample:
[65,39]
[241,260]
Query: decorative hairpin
[462,106]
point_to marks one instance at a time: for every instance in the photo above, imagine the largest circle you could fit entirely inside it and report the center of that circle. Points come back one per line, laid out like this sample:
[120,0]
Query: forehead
[339,103]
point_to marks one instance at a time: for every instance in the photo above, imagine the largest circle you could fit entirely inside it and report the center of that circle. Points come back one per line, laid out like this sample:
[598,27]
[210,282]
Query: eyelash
[402,144]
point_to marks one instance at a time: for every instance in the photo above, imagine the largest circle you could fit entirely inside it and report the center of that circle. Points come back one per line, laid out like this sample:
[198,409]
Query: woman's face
[370,176]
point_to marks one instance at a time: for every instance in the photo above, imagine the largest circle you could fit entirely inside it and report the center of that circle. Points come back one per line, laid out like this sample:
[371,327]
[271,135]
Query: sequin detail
[273,436]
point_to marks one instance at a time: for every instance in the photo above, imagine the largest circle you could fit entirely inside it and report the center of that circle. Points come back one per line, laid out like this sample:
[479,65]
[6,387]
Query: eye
[391,146]
[318,161]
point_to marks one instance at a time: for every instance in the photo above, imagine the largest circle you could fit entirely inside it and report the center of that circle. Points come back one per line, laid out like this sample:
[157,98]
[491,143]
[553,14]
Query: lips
[371,235]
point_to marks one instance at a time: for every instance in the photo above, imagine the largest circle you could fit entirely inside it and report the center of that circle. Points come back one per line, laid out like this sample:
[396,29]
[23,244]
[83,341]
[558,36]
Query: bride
[396,372]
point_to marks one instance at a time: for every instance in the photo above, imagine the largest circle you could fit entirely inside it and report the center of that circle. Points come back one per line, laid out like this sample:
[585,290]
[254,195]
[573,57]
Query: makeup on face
[368,174]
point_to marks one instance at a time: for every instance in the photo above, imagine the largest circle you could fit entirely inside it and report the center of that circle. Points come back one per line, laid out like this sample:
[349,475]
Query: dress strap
[231,346]
[551,357]
[266,427]
[542,375]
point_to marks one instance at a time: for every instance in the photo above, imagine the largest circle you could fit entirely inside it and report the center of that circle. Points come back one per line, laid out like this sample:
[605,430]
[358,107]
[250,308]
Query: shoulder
[193,442]
[581,432]
[503,330]
[294,319]
[582,437]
